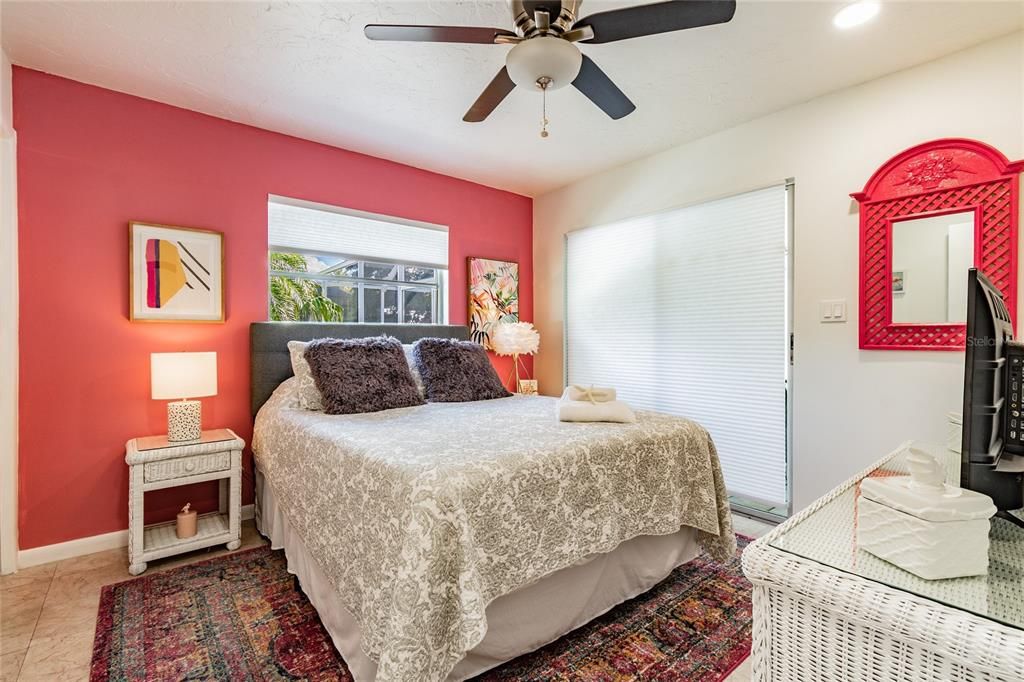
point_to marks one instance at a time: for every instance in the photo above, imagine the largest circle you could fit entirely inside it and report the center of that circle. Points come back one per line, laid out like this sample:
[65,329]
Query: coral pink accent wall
[89,161]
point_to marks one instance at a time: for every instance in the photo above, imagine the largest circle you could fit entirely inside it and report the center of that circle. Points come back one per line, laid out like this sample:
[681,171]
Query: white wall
[8,326]
[960,258]
[850,406]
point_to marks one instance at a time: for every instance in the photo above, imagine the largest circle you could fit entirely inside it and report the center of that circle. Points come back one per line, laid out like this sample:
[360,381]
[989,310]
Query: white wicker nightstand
[156,463]
[826,610]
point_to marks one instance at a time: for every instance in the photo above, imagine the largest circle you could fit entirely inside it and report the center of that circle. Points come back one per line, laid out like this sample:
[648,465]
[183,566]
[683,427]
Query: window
[327,264]
[686,312]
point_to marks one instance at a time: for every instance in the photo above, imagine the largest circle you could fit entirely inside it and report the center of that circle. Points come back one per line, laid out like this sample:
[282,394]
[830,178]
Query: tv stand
[1003,514]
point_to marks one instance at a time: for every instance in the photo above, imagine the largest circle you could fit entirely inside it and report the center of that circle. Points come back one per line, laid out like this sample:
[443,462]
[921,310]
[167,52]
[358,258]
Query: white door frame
[8,332]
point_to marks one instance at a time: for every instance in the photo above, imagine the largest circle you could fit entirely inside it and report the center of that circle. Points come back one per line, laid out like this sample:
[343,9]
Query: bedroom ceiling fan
[544,54]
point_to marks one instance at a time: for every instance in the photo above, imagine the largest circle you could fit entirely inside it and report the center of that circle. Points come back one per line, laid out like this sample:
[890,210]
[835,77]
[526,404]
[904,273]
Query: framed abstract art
[176,274]
[493,297]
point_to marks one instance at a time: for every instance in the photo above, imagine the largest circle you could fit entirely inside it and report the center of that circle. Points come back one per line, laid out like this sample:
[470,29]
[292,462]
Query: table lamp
[515,339]
[181,376]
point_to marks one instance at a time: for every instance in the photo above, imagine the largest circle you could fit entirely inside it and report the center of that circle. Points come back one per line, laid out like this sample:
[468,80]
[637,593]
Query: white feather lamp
[515,339]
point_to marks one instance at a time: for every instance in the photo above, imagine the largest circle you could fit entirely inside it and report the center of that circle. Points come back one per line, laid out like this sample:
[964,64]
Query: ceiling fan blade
[599,89]
[490,98]
[435,34]
[660,17]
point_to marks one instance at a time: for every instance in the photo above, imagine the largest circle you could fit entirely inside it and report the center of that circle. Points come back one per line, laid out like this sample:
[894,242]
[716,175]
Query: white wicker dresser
[155,464]
[826,610]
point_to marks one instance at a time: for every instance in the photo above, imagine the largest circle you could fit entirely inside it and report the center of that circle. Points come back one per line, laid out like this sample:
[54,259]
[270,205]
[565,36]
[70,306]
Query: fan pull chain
[544,113]
[544,82]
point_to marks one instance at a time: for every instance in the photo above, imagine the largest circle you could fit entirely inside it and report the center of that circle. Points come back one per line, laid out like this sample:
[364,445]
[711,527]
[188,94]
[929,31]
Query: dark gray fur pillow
[456,371]
[362,375]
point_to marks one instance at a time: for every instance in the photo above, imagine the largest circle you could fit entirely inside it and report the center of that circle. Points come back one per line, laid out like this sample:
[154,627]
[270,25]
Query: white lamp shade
[515,338]
[183,375]
[545,57]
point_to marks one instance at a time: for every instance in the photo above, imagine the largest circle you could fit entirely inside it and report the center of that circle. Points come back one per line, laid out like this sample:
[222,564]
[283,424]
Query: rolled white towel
[591,394]
[584,411]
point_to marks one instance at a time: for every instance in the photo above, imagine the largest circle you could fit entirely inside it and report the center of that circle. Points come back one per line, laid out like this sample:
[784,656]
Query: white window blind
[312,227]
[685,312]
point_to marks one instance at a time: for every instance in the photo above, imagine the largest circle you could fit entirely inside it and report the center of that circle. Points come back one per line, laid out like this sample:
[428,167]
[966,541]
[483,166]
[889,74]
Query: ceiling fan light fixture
[544,57]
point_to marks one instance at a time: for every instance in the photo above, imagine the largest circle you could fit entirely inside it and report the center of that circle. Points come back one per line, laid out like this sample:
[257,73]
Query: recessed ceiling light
[856,14]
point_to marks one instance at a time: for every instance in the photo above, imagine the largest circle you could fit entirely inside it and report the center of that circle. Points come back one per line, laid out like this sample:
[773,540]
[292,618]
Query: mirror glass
[930,259]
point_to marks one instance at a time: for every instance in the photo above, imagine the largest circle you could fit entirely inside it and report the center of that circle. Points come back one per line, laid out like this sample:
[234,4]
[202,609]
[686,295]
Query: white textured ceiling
[304,68]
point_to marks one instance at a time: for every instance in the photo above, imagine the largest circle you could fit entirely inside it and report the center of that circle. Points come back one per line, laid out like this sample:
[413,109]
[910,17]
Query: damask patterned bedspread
[422,516]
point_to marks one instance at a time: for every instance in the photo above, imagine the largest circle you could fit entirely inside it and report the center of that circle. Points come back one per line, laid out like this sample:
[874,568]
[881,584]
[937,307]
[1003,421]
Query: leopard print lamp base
[184,420]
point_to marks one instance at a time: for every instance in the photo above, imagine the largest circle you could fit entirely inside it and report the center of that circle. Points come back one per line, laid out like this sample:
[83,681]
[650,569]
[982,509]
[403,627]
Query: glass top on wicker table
[828,536]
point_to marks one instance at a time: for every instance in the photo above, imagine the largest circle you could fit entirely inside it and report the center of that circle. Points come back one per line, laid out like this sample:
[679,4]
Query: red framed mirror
[926,215]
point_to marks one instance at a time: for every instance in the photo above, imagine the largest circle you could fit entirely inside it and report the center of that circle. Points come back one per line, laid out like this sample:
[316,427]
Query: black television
[991,401]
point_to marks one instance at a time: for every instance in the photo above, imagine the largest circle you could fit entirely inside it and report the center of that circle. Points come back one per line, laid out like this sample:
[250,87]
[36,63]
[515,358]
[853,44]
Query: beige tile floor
[48,613]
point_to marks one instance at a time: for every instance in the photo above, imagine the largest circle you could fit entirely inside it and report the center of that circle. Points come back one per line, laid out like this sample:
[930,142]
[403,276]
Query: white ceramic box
[922,524]
[929,549]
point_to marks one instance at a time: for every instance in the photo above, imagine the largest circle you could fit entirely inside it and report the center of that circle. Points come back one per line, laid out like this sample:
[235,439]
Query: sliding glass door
[687,312]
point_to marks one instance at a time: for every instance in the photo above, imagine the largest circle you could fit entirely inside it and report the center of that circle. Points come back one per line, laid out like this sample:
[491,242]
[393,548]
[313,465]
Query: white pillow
[308,394]
[407,349]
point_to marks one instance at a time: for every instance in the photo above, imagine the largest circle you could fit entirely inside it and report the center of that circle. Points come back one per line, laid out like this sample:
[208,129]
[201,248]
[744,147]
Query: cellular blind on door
[685,312]
[294,224]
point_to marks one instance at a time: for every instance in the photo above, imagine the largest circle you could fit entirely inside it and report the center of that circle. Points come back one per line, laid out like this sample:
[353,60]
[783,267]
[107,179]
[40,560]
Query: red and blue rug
[243,617]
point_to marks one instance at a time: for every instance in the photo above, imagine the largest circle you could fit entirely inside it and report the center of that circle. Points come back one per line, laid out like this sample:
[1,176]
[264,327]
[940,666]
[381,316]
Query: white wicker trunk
[813,622]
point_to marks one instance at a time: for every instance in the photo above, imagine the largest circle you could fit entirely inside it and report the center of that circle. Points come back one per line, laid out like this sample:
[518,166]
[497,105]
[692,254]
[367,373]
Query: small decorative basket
[528,386]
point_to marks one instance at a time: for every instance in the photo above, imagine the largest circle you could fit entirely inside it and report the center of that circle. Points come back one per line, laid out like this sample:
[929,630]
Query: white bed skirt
[518,622]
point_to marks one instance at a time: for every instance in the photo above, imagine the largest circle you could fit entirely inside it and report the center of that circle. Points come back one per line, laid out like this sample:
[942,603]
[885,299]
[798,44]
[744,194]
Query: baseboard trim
[72,548]
[89,545]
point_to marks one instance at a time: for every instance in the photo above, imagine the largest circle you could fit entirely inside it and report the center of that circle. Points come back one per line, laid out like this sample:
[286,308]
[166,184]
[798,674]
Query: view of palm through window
[332,288]
[399,278]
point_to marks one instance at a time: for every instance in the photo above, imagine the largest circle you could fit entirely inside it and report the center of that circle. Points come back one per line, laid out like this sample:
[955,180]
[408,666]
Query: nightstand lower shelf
[160,540]
[212,529]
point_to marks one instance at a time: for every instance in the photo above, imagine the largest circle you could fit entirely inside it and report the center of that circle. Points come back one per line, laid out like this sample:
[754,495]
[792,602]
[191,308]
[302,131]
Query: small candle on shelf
[186,527]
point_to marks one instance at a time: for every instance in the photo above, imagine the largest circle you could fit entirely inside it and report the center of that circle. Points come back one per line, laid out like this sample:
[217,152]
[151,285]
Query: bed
[439,541]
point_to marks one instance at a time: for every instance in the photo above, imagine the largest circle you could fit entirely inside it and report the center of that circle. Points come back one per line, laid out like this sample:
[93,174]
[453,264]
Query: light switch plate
[833,310]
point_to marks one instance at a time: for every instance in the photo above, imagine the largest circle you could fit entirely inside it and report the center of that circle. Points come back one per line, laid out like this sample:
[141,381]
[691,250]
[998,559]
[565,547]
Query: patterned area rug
[243,617]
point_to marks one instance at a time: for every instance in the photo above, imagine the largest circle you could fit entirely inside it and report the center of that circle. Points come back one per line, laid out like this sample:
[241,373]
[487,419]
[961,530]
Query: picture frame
[175,274]
[493,296]
[898,281]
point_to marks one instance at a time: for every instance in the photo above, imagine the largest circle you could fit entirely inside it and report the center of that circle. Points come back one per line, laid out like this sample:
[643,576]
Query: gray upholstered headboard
[270,363]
